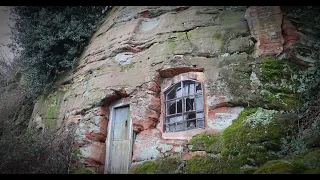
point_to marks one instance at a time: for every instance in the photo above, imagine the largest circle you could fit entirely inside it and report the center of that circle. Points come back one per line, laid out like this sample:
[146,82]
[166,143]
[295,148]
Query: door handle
[126,122]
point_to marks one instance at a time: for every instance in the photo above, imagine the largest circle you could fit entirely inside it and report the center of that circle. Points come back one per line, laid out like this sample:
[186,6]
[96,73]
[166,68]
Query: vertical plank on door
[120,141]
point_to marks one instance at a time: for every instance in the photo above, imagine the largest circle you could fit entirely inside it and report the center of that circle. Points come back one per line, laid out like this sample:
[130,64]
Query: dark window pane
[198,88]
[179,106]
[191,115]
[171,94]
[191,124]
[171,107]
[189,103]
[199,102]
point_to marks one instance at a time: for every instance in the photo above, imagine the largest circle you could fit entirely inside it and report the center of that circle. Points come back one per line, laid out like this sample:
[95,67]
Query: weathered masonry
[151,78]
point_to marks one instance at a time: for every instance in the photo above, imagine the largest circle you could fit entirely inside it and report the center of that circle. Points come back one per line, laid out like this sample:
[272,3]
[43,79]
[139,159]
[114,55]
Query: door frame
[113,106]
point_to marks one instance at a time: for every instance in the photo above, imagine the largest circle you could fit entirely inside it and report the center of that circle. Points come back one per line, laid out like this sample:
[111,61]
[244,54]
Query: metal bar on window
[166,104]
[184,121]
[182,94]
[176,107]
[195,105]
[200,110]
[194,111]
[184,97]
[170,115]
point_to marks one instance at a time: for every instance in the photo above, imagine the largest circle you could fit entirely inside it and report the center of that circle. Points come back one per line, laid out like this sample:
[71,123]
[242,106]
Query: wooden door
[120,141]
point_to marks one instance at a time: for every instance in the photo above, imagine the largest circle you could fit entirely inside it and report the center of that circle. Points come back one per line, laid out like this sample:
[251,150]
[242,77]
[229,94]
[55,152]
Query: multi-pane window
[184,106]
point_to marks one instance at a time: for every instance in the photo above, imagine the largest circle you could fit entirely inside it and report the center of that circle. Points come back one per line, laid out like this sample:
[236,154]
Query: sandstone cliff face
[132,56]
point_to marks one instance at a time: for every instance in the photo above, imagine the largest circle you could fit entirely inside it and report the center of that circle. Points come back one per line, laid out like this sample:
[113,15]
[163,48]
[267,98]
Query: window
[184,106]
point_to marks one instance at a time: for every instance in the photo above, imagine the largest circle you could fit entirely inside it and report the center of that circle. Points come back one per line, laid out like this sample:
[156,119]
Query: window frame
[183,113]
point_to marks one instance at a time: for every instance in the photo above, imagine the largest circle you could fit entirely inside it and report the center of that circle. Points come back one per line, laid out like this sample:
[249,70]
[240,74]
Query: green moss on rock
[278,75]
[49,107]
[200,165]
[244,144]
[308,164]
[168,165]
[276,167]
[280,84]
[148,167]
[312,160]
[206,142]
[272,69]
[249,142]
[216,36]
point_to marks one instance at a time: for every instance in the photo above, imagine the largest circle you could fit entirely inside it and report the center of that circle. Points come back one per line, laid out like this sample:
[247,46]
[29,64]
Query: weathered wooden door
[120,141]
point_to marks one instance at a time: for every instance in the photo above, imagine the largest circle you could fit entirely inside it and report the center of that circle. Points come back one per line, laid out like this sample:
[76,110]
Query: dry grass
[47,152]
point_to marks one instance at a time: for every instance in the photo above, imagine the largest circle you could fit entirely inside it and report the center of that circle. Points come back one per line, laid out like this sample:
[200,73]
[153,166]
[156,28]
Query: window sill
[183,135]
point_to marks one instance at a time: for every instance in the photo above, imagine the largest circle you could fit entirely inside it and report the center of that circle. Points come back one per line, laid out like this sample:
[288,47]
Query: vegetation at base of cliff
[80,171]
[256,137]
[205,165]
[168,165]
[252,144]
[34,152]
[75,154]
[308,164]
[252,140]
[51,39]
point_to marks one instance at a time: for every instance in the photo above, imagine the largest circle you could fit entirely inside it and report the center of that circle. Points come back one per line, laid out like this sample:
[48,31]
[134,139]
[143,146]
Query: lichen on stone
[126,67]
[261,116]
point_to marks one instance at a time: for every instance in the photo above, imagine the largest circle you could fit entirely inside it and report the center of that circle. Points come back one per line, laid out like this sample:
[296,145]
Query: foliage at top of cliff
[52,38]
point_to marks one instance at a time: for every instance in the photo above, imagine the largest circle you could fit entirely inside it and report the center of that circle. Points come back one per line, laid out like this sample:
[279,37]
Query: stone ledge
[183,135]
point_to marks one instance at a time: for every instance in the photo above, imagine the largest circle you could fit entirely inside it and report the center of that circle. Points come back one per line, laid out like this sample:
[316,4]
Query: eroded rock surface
[137,49]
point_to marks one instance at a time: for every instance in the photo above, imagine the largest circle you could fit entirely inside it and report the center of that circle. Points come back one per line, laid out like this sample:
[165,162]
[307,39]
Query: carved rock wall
[137,49]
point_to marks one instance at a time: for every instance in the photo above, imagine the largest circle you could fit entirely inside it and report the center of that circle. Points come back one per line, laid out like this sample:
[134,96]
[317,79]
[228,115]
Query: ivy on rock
[51,38]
